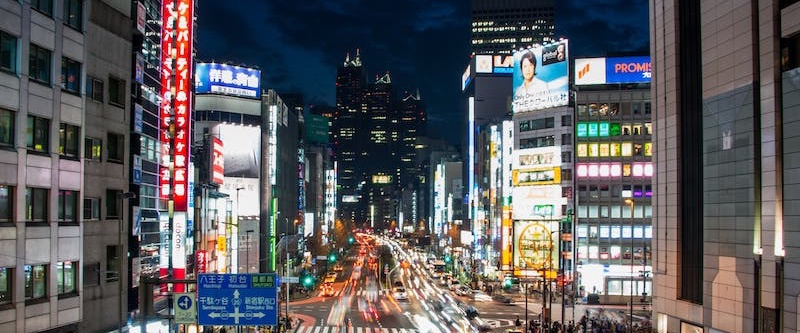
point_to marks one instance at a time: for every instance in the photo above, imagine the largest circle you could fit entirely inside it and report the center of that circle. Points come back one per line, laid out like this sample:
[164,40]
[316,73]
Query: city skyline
[423,45]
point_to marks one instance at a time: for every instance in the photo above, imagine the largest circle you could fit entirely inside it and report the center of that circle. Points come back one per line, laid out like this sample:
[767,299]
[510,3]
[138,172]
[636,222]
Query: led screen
[540,77]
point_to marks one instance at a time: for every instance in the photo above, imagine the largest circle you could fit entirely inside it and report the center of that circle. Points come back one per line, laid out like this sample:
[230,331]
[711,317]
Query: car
[399,293]
[454,284]
[338,268]
[398,283]
[502,298]
[463,290]
[330,277]
[327,290]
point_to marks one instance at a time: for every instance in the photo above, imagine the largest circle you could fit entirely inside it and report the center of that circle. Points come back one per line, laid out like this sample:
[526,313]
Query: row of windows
[36,281]
[73,11]
[614,211]
[543,123]
[40,69]
[624,109]
[615,191]
[37,205]
[605,129]
[37,139]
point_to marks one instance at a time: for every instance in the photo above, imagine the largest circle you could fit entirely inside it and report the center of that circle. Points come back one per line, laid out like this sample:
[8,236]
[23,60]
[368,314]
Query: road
[360,304]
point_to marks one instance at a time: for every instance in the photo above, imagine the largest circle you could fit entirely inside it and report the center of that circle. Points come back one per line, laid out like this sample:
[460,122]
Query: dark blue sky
[424,44]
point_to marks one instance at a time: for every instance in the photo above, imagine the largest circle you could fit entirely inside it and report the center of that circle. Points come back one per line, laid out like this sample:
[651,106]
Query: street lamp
[629,201]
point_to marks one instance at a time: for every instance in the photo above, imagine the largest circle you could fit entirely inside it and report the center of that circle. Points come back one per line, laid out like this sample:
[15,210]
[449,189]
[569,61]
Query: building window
[6,286]
[566,139]
[8,52]
[38,138]
[73,14]
[68,206]
[116,91]
[40,63]
[566,174]
[91,208]
[115,147]
[94,89]
[67,276]
[92,148]
[7,128]
[566,121]
[36,204]
[70,75]
[68,136]
[113,204]
[35,281]
[566,157]
[43,6]
[112,263]
[149,149]
[6,203]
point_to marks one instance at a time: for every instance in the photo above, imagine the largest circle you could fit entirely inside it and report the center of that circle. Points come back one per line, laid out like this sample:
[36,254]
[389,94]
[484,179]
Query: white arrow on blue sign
[237,299]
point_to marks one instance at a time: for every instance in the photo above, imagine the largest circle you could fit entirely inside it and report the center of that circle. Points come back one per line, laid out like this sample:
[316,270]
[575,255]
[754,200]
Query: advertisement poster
[541,77]
[535,245]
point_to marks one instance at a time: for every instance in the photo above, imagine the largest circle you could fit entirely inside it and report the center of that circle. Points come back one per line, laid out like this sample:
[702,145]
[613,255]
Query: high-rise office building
[724,93]
[347,139]
[501,26]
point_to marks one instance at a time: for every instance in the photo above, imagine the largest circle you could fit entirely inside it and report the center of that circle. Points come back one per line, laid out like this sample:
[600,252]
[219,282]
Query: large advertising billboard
[612,70]
[242,149]
[214,78]
[541,77]
[536,246]
[537,202]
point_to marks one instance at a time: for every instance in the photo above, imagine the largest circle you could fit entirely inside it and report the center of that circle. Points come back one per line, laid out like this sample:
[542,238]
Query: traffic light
[308,281]
[447,259]
[332,257]
[351,240]
[507,283]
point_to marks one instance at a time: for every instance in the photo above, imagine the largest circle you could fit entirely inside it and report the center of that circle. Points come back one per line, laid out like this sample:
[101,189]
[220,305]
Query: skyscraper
[347,124]
[500,26]
[724,93]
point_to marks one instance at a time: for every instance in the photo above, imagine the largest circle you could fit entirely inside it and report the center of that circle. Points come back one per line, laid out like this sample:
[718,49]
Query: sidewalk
[613,312]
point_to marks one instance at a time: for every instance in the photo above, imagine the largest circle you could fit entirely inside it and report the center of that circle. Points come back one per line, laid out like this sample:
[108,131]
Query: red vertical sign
[175,115]
[217,161]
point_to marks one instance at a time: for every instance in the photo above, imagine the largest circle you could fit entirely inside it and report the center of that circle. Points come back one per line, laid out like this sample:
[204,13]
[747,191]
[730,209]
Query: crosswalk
[357,329]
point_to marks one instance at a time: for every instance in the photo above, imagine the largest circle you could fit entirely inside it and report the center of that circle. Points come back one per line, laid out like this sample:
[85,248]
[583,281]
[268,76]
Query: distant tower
[347,124]
[495,30]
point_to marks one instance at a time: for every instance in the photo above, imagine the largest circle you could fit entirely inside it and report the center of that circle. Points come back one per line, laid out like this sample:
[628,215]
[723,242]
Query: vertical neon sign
[175,115]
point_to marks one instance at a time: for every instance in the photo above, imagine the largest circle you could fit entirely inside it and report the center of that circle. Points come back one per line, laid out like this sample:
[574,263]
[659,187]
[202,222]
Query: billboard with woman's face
[541,77]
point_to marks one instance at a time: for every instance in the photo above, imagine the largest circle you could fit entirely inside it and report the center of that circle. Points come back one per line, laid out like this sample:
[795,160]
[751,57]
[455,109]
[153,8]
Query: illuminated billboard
[540,77]
[242,149]
[213,78]
[381,179]
[545,176]
[175,126]
[537,157]
[217,161]
[530,202]
[612,70]
[494,64]
[536,246]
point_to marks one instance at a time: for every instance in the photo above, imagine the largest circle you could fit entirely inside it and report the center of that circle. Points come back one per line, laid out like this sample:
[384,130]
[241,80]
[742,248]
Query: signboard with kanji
[237,299]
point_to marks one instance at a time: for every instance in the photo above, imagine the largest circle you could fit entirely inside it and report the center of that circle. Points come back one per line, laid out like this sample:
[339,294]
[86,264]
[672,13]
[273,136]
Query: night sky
[423,44]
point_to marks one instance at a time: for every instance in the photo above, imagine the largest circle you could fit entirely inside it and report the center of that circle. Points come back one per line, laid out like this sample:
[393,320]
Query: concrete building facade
[725,85]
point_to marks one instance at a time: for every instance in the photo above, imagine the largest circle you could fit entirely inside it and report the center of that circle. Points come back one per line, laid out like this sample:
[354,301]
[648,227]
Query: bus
[438,268]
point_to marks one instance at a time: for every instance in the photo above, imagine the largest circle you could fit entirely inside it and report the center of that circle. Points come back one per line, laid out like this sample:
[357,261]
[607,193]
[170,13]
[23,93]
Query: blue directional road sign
[237,299]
